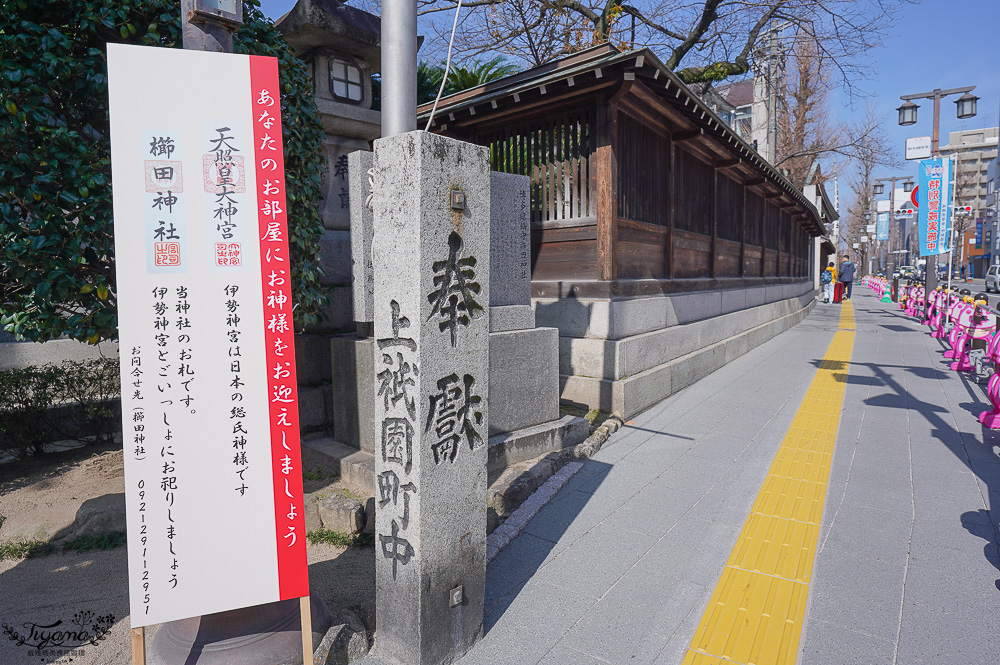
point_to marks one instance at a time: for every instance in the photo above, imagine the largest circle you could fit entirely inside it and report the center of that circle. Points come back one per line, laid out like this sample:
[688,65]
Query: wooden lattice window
[755,219]
[556,153]
[694,193]
[729,199]
[643,172]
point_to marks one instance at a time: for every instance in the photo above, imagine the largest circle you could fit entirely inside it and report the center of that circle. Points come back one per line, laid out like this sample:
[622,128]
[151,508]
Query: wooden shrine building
[663,245]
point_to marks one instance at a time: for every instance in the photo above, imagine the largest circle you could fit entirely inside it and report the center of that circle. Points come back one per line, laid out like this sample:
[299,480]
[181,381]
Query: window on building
[345,81]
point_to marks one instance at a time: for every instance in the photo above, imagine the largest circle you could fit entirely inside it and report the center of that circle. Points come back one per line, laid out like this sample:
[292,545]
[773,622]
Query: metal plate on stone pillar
[432,273]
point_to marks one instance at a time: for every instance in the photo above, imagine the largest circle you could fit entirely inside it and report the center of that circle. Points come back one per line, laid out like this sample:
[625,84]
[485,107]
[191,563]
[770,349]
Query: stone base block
[511,317]
[315,409]
[524,444]
[312,359]
[524,378]
[630,395]
[353,380]
[355,467]
[335,258]
[339,315]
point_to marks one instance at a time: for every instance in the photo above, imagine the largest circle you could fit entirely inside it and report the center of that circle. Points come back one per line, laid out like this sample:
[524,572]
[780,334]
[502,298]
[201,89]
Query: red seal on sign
[223,175]
[227,254]
[166,254]
[163,175]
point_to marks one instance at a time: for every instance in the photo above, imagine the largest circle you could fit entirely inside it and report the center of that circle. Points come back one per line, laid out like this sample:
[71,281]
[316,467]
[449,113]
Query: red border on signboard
[279,342]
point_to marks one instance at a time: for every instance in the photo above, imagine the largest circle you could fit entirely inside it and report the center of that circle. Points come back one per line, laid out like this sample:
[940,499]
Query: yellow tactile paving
[791,499]
[755,614]
[776,547]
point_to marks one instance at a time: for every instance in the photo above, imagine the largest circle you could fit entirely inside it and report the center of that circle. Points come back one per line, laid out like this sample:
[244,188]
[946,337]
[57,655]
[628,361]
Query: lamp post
[965,108]
[878,188]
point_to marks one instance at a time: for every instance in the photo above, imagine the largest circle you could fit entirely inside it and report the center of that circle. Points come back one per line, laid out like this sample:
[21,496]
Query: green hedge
[75,400]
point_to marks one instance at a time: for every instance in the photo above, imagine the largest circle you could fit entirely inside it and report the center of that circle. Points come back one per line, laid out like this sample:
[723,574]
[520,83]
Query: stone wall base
[628,395]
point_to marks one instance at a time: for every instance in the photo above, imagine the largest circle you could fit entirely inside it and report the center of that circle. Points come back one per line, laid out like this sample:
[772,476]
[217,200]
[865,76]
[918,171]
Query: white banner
[212,476]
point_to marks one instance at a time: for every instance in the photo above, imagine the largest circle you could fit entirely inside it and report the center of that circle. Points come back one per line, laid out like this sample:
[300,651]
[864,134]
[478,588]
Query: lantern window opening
[345,81]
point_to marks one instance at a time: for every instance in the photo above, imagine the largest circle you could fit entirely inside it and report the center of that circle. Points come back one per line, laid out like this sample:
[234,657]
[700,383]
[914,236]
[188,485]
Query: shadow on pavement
[538,542]
[977,456]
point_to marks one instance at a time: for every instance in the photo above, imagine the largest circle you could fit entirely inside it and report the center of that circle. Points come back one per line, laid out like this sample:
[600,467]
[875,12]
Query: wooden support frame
[743,232]
[139,646]
[714,206]
[671,210]
[687,135]
[607,187]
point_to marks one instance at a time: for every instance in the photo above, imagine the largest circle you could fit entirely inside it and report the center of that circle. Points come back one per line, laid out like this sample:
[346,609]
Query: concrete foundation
[626,355]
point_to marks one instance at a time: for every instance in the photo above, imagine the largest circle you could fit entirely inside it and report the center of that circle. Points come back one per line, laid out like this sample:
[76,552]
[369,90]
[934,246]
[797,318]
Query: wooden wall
[617,194]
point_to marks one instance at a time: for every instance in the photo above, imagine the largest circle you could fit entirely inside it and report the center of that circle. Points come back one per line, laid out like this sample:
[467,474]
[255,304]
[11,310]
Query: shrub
[76,400]
[57,274]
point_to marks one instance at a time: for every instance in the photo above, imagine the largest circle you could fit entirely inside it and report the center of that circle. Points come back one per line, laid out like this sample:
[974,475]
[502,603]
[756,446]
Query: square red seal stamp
[223,174]
[227,254]
[166,254]
[163,175]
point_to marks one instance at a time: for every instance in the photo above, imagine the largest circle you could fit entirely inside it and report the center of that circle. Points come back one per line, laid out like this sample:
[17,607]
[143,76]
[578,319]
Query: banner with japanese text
[213,483]
[934,213]
[882,226]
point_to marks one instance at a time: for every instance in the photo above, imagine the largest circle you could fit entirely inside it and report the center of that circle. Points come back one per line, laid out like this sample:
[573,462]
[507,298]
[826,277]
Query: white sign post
[918,147]
[211,438]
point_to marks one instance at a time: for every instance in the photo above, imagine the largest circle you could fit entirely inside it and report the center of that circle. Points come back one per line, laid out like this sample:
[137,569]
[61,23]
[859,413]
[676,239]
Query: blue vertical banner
[979,233]
[882,226]
[934,213]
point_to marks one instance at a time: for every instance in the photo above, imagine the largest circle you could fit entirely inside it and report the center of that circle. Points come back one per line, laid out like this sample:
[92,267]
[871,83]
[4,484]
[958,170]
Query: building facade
[973,151]
[663,245]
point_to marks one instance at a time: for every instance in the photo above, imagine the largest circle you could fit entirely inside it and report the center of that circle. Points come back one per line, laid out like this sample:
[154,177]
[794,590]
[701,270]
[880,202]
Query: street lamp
[966,105]
[894,227]
[965,108]
[908,113]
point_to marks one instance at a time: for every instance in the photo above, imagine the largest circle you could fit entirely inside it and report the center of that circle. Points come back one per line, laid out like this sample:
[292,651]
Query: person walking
[827,279]
[846,275]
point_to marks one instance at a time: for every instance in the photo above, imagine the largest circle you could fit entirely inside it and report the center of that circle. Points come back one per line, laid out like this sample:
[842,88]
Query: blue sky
[935,44]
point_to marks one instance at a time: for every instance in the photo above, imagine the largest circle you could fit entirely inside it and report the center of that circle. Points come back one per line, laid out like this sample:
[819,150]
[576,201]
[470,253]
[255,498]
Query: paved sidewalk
[619,567]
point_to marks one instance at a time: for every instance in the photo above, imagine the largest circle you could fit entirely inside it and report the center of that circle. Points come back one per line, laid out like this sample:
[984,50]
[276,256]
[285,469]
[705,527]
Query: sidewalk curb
[555,469]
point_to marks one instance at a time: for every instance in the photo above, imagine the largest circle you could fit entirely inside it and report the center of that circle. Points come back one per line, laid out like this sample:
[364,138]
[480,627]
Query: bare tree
[806,129]
[702,40]
[869,150]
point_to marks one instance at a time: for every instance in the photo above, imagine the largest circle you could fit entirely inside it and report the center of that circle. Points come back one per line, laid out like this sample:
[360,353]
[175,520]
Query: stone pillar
[362,275]
[431,329]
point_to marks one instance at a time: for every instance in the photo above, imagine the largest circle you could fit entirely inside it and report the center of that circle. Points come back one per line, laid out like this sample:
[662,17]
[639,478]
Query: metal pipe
[399,66]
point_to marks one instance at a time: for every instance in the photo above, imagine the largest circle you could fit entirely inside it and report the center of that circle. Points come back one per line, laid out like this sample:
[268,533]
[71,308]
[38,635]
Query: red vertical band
[279,343]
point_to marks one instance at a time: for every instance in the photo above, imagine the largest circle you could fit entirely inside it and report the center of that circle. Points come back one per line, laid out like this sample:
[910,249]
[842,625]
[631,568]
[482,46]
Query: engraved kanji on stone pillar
[431,261]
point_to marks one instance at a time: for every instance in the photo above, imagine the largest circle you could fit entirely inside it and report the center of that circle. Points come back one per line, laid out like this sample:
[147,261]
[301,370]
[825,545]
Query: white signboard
[863,238]
[918,147]
[213,484]
[870,228]
[855,245]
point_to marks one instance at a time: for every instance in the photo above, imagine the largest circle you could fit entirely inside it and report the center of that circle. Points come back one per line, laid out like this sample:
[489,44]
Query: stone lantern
[340,46]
